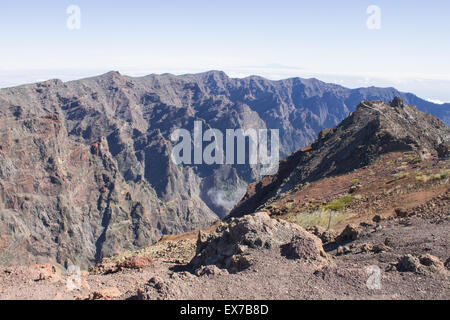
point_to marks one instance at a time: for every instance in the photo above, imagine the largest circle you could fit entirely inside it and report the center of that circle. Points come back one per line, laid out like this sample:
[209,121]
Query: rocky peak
[112,74]
[397,102]
[404,124]
[375,128]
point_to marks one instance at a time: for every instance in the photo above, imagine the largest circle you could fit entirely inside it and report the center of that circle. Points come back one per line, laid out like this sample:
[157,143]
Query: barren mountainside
[85,168]
[374,129]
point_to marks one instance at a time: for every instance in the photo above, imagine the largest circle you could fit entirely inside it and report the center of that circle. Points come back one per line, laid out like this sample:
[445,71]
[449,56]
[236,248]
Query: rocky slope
[415,265]
[377,228]
[68,202]
[85,166]
[374,129]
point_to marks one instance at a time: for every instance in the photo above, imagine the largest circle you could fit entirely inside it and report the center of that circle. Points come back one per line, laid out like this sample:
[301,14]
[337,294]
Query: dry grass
[401,175]
[325,219]
[434,176]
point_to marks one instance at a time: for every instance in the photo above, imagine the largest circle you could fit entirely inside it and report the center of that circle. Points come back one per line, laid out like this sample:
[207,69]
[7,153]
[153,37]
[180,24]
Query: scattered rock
[143,294]
[426,263]
[183,275]
[378,228]
[210,271]
[389,241]
[157,283]
[241,249]
[409,263]
[350,233]
[367,225]
[432,262]
[379,248]
[447,263]
[377,219]
[105,294]
[401,213]
[104,268]
[366,247]
[341,250]
[42,272]
[326,236]
[306,248]
[58,296]
[157,288]
[135,263]
[237,263]
[85,285]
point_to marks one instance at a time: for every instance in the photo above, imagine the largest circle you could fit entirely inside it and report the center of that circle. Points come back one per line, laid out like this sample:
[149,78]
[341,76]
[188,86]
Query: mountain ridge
[365,91]
[375,128]
[119,127]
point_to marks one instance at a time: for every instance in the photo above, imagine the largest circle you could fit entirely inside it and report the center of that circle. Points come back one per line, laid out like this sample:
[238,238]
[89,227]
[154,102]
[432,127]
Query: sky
[403,44]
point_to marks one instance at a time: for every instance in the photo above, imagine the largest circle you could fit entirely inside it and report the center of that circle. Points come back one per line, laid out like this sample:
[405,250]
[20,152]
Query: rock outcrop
[423,264]
[231,245]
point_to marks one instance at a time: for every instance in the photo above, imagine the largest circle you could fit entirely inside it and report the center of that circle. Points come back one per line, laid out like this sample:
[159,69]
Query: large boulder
[409,263]
[432,262]
[231,245]
[424,264]
[305,248]
[135,263]
[323,234]
[350,233]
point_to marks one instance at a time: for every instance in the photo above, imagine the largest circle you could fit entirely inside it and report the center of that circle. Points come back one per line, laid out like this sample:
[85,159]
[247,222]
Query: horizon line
[94,73]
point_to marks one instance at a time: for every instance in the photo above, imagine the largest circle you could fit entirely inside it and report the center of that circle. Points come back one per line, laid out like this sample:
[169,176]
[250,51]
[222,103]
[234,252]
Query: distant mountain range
[85,166]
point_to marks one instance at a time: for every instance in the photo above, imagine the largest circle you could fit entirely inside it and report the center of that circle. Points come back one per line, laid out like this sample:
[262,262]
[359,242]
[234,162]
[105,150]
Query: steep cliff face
[85,166]
[68,202]
[375,128]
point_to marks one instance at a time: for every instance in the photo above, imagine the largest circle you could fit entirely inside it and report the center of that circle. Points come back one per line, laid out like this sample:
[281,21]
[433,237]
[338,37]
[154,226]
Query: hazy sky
[329,40]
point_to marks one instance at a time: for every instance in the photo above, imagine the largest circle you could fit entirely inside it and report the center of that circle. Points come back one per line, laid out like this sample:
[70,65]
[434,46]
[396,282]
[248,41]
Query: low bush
[401,175]
[339,204]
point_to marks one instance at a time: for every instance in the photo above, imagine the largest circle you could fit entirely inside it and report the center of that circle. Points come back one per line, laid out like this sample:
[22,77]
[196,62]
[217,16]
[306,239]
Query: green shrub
[422,178]
[434,176]
[401,175]
[339,204]
[416,160]
[445,173]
